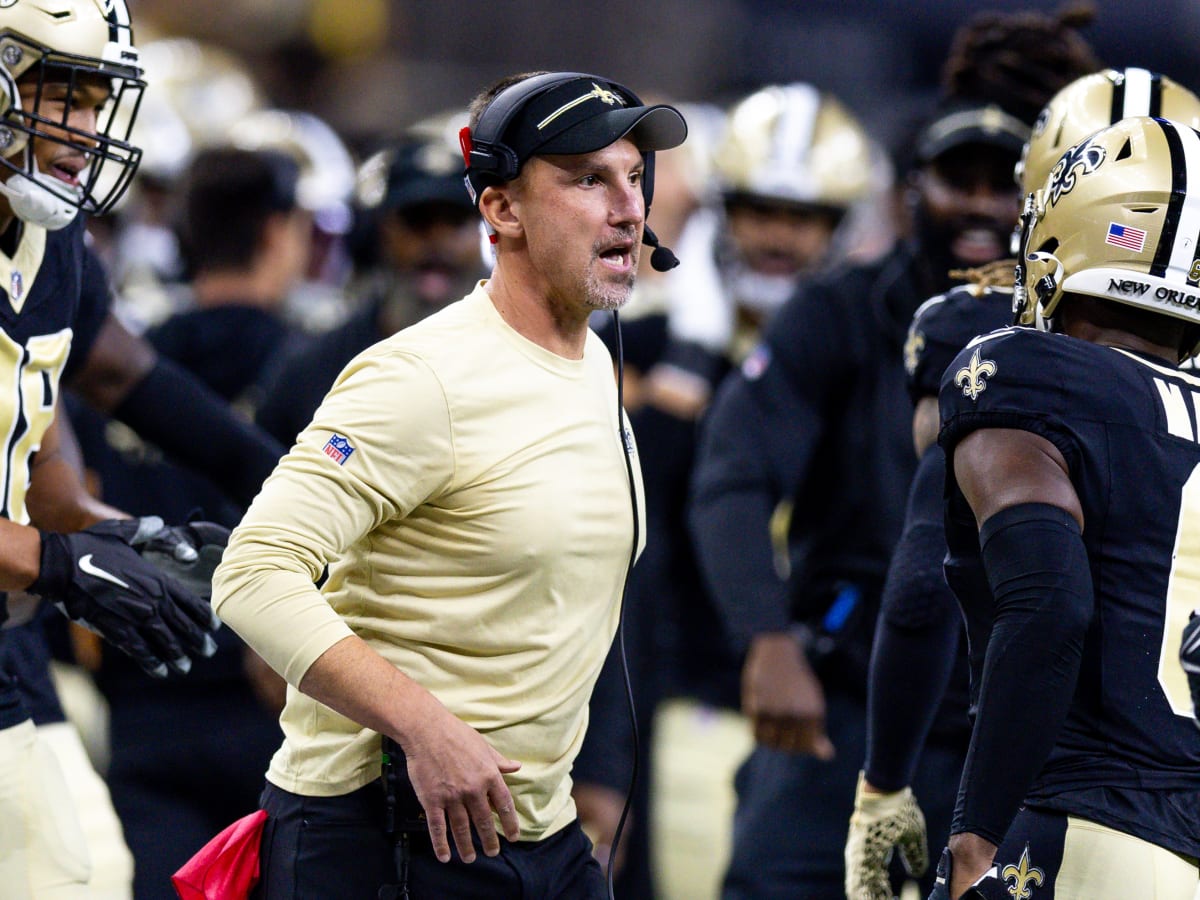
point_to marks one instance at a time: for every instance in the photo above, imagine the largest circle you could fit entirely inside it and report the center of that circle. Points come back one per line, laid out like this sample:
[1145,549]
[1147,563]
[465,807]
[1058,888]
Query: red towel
[226,868]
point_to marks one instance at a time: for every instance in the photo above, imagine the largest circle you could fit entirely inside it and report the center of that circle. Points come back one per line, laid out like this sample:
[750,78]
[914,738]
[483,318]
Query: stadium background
[370,67]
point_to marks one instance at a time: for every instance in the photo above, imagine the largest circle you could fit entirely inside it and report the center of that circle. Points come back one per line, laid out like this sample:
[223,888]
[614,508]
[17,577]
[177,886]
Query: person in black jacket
[818,416]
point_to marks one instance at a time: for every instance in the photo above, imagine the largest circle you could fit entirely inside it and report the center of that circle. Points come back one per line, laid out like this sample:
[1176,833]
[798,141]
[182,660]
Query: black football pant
[793,812]
[318,848]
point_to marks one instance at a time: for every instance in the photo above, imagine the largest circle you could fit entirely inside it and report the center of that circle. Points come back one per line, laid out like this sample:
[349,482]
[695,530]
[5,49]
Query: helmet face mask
[1113,222]
[56,59]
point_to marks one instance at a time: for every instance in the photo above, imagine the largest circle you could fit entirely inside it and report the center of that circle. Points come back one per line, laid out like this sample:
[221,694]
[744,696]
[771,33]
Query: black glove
[188,553]
[97,578]
[1189,658]
[989,887]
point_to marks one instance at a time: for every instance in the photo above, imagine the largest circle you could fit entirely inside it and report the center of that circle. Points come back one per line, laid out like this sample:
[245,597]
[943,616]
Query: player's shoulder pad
[1027,372]
[943,324]
[967,307]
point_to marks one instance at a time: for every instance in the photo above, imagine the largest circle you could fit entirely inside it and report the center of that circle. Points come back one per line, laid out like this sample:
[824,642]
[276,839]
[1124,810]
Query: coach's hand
[783,697]
[459,779]
[880,823]
[97,579]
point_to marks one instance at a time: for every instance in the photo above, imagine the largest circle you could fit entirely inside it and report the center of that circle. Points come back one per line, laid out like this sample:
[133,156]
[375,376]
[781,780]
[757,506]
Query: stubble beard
[603,295]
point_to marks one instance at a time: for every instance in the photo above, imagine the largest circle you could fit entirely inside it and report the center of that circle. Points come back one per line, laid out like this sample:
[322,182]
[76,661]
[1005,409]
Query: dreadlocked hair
[1019,61]
[998,273]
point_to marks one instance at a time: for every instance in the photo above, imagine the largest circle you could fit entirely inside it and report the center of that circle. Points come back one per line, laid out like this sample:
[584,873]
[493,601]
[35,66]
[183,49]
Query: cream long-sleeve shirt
[468,491]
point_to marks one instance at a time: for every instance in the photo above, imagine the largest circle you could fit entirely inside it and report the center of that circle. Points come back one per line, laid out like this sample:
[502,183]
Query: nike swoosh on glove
[880,823]
[97,578]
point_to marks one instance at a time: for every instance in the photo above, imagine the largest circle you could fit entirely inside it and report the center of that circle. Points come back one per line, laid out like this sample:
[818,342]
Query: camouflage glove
[880,823]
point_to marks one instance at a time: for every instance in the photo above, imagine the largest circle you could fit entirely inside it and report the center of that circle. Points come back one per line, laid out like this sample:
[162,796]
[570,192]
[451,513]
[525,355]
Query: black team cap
[587,114]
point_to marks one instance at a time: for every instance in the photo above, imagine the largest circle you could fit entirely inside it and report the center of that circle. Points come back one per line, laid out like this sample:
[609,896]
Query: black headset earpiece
[489,155]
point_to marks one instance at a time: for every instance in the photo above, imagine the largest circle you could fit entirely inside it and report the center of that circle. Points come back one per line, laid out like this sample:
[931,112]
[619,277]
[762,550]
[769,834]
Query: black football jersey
[40,290]
[41,303]
[942,326]
[1128,426]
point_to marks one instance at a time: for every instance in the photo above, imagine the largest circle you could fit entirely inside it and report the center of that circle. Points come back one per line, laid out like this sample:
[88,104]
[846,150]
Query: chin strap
[37,199]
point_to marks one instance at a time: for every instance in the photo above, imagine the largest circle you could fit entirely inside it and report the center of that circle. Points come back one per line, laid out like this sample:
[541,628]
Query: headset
[490,161]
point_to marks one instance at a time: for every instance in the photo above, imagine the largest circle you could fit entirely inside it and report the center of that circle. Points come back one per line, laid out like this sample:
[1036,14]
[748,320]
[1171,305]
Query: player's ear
[499,206]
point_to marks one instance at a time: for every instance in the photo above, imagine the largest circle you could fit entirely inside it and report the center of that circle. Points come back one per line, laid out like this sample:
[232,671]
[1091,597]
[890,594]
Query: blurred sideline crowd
[261,252]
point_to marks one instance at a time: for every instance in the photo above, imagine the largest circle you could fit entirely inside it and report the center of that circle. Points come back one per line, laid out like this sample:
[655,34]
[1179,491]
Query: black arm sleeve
[732,499]
[192,424]
[917,637]
[1039,574]
[757,446]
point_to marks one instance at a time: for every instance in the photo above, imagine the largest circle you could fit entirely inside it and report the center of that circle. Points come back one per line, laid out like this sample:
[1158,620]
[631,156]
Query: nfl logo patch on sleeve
[338,449]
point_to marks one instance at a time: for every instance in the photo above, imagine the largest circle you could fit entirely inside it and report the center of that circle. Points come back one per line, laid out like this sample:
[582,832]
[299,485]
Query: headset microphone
[662,259]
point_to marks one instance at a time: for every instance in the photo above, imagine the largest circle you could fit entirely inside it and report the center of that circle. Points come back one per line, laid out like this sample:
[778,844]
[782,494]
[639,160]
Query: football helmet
[44,42]
[327,172]
[794,144]
[1116,220]
[1096,101]
[195,93]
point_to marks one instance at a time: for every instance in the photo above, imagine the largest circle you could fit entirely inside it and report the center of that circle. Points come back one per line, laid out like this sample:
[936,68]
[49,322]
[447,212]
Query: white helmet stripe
[1139,84]
[1183,246]
[793,139]
[117,14]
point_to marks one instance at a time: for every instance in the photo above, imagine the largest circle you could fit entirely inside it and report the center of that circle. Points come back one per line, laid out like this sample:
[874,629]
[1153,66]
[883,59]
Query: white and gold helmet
[1117,219]
[794,144]
[196,92]
[327,171]
[1096,101]
[54,41]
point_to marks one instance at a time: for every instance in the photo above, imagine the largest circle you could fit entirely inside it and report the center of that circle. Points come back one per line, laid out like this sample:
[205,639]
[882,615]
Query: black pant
[336,847]
[793,811]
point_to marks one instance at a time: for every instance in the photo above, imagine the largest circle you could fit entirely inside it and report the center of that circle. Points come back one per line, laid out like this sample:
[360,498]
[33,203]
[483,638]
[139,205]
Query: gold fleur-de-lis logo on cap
[1022,875]
[604,95]
[611,98]
[971,376]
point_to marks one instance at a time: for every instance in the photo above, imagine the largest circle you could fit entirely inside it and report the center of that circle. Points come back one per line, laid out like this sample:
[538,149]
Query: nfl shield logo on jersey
[338,449]
[16,286]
